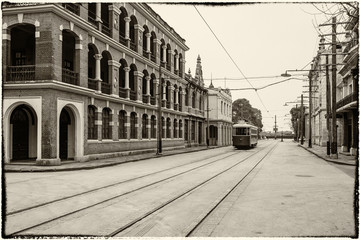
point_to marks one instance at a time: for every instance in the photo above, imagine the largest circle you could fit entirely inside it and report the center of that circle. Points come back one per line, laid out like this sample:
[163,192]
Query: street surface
[276,189]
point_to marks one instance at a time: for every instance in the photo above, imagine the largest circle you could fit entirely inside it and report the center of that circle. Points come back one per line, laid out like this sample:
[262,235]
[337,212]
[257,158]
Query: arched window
[144,126]
[145,42]
[132,81]
[22,53]
[122,124]
[106,130]
[105,19]
[133,34]
[193,130]
[152,92]
[168,126]
[174,96]
[92,130]
[162,56]
[180,99]
[133,131]
[175,61]
[180,129]
[105,84]
[153,127]
[122,24]
[69,59]
[180,65]
[153,46]
[200,102]
[169,57]
[186,97]
[186,130]
[167,94]
[175,128]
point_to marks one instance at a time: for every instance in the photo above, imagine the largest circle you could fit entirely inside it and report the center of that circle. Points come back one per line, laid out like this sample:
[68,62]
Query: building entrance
[20,134]
[64,133]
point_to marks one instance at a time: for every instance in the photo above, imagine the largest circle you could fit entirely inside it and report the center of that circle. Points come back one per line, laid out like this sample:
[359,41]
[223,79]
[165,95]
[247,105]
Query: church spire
[198,72]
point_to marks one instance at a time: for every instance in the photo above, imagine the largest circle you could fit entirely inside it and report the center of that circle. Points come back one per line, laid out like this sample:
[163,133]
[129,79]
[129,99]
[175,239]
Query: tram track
[120,232]
[25,211]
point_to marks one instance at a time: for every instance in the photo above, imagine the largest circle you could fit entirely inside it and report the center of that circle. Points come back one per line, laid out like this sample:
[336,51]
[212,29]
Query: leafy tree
[295,120]
[242,110]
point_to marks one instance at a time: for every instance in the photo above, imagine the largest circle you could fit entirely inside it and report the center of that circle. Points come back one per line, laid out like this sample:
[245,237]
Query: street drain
[304,176]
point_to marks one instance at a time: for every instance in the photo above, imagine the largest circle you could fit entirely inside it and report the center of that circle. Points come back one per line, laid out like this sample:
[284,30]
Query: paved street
[276,189]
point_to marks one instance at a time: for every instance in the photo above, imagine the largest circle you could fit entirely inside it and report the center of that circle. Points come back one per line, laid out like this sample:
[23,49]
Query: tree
[242,110]
[295,120]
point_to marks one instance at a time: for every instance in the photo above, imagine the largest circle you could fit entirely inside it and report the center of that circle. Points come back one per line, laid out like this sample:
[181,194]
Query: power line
[231,58]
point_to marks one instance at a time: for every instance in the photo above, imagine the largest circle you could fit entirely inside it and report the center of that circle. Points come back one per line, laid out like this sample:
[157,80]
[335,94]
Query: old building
[347,104]
[82,81]
[220,116]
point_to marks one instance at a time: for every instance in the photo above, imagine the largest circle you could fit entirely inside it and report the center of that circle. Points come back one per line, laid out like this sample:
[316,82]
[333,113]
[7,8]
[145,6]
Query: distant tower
[198,72]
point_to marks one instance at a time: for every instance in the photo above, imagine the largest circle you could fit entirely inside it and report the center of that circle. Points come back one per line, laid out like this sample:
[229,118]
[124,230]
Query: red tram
[244,135]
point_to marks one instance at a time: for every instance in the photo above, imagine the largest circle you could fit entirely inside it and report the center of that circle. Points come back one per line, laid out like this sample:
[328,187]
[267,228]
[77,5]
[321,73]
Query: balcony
[167,104]
[105,87]
[145,98]
[92,17]
[168,67]
[72,7]
[20,73]
[132,95]
[180,108]
[70,77]
[353,97]
[122,40]
[92,84]
[133,46]
[122,92]
[152,100]
[145,54]
[153,58]
[106,29]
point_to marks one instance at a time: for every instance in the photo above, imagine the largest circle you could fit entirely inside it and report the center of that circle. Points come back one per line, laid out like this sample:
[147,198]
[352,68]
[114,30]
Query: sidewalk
[30,166]
[321,153]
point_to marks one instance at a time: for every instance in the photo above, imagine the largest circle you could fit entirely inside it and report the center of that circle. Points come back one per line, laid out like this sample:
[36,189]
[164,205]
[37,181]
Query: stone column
[98,58]
[113,77]
[176,64]
[157,50]
[164,55]
[114,14]
[148,36]
[127,89]
[127,31]
[127,125]
[177,98]
[98,16]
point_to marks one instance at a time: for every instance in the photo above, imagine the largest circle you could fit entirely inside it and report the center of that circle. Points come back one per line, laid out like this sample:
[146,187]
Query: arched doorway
[20,134]
[67,135]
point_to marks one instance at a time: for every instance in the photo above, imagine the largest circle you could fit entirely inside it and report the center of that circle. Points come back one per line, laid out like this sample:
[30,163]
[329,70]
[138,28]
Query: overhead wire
[231,58]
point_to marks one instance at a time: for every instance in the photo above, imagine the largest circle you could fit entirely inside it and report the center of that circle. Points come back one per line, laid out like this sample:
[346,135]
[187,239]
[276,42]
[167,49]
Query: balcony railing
[180,108]
[70,77]
[168,67]
[175,107]
[92,17]
[122,40]
[153,58]
[145,54]
[353,97]
[122,92]
[92,84]
[72,7]
[152,100]
[133,46]
[20,73]
[105,87]
[132,95]
[106,29]
[145,98]
[167,104]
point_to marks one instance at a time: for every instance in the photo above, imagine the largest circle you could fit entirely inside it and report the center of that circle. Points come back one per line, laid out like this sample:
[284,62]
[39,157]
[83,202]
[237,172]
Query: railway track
[172,173]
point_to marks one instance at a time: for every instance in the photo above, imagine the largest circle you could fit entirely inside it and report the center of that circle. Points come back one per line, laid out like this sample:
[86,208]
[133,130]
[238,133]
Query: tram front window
[242,131]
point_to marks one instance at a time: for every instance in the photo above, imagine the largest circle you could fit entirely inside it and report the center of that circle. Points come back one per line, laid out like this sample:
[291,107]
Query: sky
[263,40]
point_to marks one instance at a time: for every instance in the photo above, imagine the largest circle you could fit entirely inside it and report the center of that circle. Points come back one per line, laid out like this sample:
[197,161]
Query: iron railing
[133,46]
[168,67]
[106,29]
[72,7]
[122,92]
[132,95]
[105,87]
[180,108]
[92,84]
[353,97]
[92,17]
[145,54]
[167,104]
[122,40]
[152,100]
[20,73]
[153,58]
[70,77]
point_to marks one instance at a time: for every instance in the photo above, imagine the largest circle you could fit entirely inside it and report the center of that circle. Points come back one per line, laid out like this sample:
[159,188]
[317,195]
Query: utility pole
[207,116]
[328,106]
[301,120]
[275,127]
[310,106]
[159,147]
[333,82]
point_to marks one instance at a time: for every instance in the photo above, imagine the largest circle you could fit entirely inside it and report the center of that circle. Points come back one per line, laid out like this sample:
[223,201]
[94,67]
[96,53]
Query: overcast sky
[264,40]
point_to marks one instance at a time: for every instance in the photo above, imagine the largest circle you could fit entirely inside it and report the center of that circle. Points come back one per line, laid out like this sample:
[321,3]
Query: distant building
[81,82]
[220,116]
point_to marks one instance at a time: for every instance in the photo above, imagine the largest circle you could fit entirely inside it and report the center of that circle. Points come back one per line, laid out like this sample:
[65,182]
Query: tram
[244,135]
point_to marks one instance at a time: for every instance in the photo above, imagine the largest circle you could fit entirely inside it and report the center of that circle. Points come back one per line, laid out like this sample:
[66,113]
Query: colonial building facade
[220,116]
[82,81]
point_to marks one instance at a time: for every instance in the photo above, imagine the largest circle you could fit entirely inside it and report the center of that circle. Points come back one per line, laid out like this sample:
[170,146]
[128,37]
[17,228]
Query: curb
[326,159]
[109,164]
